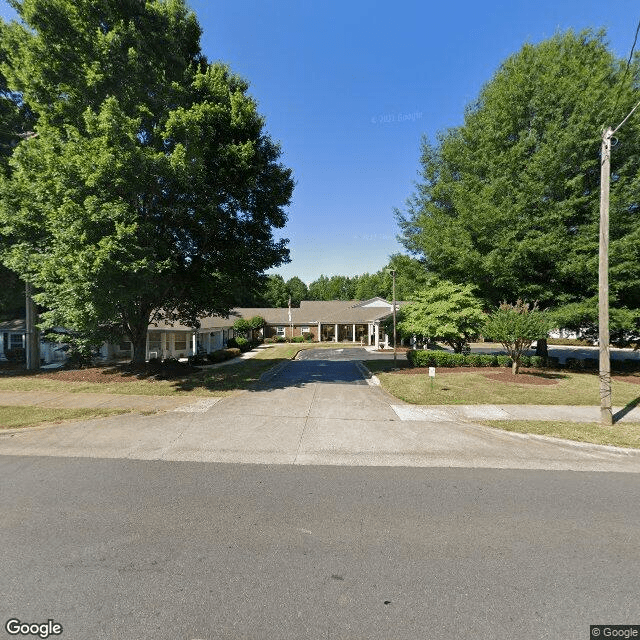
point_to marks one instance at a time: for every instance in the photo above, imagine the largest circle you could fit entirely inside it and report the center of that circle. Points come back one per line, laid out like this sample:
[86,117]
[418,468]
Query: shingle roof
[310,312]
[14,325]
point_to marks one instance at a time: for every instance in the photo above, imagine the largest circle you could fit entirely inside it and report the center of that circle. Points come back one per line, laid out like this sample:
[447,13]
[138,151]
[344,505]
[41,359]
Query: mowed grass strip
[220,381]
[13,417]
[621,434]
[474,388]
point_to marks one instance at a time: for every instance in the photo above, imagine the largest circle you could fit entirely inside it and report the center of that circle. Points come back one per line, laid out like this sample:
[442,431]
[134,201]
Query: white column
[369,329]
[319,332]
[335,335]
[354,333]
[193,343]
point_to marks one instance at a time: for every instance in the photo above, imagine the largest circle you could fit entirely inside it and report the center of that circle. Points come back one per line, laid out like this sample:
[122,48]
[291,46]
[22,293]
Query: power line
[626,71]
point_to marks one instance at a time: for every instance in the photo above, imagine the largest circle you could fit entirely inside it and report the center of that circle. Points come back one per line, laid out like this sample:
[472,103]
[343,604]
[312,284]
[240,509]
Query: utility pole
[32,350]
[395,355]
[606,416]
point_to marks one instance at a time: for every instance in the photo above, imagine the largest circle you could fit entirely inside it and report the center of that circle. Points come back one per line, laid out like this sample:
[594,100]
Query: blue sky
[348,88]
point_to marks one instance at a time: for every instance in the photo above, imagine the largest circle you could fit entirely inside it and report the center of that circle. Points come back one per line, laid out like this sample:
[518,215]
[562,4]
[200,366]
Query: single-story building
[327,321]
[360,321]
[13,338]
[354,321]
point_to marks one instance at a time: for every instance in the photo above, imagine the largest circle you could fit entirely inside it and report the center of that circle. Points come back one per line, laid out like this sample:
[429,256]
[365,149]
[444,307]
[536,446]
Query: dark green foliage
[481,360]
[509,201]
[447,359]
[297,339]
[435,359]
[152,189]
[504,361]
[297,291]
[442,310]
[222,354]
[308,336]
[242,344]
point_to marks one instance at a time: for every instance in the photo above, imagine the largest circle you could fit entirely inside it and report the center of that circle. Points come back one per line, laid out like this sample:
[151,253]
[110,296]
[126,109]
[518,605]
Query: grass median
[13,417]
[500,386]
[622,434]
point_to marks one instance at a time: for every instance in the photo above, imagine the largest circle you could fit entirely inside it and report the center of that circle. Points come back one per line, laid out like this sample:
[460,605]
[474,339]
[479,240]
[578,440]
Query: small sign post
[432,375]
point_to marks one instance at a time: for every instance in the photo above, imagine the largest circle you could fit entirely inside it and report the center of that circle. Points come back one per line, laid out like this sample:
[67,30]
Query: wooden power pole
[606,416]
[32,350]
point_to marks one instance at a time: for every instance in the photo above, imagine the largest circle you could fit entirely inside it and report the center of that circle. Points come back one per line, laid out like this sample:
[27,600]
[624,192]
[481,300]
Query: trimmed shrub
[242,344]
[280,339]
[575,364]
[234,352]
[197,360]
[481,360]
[504,361]
[525,361]
[308,336]
[216,356]
[297,339]
[232,343]
[553,362]
[537,362]
[435,359]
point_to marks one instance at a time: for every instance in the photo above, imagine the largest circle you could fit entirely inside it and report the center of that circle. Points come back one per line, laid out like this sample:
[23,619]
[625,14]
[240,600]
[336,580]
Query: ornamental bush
[243,344]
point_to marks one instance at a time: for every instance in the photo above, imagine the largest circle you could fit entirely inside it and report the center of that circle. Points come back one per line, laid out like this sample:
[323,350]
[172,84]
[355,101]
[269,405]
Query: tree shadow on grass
[242,376]
[627,409]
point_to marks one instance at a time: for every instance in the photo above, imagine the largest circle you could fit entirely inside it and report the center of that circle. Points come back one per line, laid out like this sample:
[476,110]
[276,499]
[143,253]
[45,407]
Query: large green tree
[509,200]
[152,189]
[298,290]
[444,310]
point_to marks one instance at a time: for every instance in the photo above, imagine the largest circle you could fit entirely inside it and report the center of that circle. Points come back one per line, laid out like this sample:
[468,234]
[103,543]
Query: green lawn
[622,434]
[474,388]
[12,417]
[220,381]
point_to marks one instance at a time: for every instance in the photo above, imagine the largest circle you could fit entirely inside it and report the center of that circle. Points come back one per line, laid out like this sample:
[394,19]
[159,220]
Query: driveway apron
[316,410]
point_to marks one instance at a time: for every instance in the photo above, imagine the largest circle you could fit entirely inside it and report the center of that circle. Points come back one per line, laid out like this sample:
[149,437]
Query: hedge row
[447,359]
[215,356]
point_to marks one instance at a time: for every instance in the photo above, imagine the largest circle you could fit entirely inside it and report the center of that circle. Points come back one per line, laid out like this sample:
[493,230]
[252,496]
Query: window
[280,331]
[15,341]
[305,329]
[180,341]
[154,343]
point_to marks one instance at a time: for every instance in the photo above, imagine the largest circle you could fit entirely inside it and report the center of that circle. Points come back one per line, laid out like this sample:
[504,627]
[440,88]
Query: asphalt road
[130,550]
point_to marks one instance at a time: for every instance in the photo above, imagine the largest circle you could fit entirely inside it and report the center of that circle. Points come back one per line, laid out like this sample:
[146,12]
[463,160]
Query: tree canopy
[152,190]
[445,310]
[509,200]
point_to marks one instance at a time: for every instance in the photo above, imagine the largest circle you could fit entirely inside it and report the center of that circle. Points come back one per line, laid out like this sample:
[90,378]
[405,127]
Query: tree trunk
[515,366]
[139,342]
[542,349]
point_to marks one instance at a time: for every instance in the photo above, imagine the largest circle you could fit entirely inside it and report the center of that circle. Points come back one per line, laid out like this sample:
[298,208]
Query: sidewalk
[473,412]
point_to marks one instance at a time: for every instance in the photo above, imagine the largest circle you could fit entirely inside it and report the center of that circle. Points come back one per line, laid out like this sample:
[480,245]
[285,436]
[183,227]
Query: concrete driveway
[317,410]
